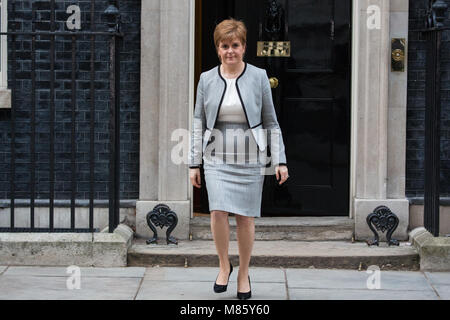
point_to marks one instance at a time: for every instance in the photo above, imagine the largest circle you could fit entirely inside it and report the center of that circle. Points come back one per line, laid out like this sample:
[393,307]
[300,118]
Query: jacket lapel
[216,100]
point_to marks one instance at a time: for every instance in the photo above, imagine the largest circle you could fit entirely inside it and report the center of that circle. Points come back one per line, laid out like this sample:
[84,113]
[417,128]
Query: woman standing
[234,99]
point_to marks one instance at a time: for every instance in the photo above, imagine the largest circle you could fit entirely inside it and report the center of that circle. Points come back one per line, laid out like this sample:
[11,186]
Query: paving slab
[123,272]
[443,291]
[315,278]
[352,279]
[408,281]
[203,290]
[209,274]
[440,278]
[359,294]
[36,283]
[440,282]
[19,287]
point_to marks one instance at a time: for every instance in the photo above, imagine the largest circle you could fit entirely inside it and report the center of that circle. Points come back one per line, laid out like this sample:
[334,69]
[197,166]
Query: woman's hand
[194,175]
[281,172]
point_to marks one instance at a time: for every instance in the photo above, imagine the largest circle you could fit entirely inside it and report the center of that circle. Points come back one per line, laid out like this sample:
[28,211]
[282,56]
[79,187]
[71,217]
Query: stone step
[279,253]
[284,228]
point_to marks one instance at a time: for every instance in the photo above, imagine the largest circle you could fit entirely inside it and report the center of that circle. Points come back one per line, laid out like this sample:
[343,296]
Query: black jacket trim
[256,125]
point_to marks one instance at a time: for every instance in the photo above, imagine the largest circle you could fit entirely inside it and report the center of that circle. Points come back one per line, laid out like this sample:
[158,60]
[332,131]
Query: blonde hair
[229,29]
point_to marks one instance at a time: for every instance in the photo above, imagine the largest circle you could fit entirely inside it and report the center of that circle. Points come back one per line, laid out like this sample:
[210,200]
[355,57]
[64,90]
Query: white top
[231,109]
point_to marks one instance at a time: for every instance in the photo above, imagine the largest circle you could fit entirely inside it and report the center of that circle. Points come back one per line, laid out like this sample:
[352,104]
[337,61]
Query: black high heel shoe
[218,288]
[245,295]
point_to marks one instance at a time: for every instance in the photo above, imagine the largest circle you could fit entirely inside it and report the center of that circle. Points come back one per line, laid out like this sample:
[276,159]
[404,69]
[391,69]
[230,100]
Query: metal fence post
[113,20]
[434,27]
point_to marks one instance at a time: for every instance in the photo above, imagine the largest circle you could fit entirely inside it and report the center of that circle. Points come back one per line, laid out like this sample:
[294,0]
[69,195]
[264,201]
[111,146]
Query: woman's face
[231,51]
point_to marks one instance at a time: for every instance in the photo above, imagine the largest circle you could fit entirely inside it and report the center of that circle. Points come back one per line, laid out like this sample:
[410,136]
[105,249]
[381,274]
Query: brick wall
[130,57]
[416,104]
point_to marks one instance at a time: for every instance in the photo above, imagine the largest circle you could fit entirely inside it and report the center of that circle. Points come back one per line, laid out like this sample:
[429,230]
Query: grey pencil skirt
[232,165]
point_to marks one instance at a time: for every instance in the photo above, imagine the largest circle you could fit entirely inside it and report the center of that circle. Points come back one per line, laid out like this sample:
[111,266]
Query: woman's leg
[245,231]
[220,229]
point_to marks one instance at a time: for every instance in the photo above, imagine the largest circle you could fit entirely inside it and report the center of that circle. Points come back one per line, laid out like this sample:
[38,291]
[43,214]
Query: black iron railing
[434,26]
[112,18]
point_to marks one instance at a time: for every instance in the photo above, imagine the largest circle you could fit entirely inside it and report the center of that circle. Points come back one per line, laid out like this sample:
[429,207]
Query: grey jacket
[254,91]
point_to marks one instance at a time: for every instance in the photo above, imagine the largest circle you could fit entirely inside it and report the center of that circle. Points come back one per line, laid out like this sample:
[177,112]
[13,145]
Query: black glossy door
[312,99]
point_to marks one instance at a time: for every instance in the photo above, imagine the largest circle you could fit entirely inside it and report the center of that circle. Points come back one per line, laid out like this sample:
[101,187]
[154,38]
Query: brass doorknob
[273,82]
